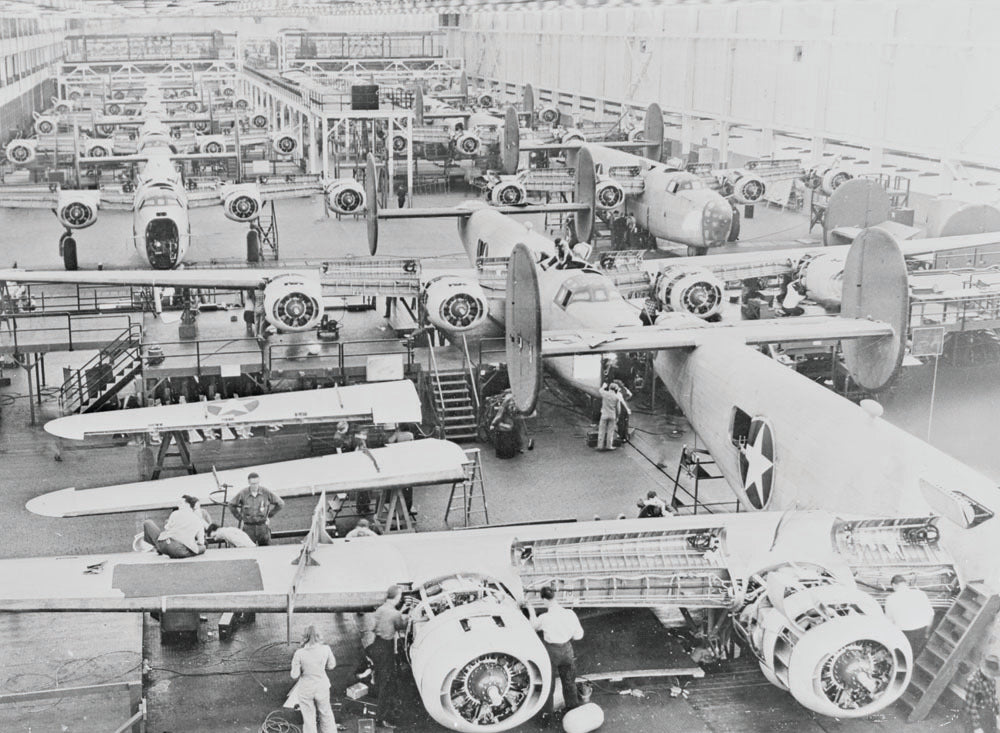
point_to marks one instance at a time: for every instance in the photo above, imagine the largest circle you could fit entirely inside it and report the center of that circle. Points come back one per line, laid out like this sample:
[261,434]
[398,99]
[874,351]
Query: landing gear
[67,248]
[253,245]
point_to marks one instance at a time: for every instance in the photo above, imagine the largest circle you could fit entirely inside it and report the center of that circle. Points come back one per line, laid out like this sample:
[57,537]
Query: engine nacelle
[259,120]
[293,302]
[227,91]
[748,188]
[63,107]
[827,179]
[822,276]
[46,124]
[477,663]
[242,103]
[572,135]
[212,144]
[98,149]
[346,196]
[827,643]
[468,143]
[453,303]
[609,194]
[192,106]
[74,95]
[508,192]
[485,100]
[693,290]
[241,202]
[285,143]
[549,114]
[21,151]
[399,143]
[77,209]
[118,94]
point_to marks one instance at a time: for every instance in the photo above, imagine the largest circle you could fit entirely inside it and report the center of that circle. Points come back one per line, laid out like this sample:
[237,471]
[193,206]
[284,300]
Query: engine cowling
[192,106]
[212,144]
[285,143]
[572,135]
[822,276]
[827,178]
[21,151]
[346,196]
[549,114]
[748,188]
[46,125]
[77,209]
[241,103]
[99,149]
[609,194]
[827,643]
[259,120]
[241,202]
[293,302]
[454,304]
[399,143]
[64,107]
[485,100]
[227,91]
[113,109]
[477,663]
[118,94]
[468,143]
[508,192]
[693,290]
[74,94]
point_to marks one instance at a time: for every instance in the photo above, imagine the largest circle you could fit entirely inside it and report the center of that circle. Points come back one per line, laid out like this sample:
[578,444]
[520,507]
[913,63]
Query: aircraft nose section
[716,222]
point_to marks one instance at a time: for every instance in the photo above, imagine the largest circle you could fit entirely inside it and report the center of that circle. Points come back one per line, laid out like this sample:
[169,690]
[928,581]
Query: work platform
[41,333]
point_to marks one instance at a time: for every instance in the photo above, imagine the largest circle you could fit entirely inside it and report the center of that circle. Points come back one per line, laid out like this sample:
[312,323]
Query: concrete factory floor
[232,685]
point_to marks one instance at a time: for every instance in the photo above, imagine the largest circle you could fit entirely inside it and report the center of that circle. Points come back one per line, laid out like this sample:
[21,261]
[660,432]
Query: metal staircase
[97,382]
[961,630]
[469,496]
[455,402]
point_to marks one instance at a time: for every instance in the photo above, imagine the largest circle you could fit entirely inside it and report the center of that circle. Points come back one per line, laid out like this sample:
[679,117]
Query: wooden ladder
[962,628]
[465,495]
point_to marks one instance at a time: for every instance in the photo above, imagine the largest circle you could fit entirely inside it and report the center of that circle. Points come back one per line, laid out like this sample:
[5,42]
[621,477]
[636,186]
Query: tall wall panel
[912,75]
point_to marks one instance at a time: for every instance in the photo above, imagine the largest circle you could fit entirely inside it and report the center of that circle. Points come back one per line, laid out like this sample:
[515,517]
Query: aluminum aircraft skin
[806,460]
[161,227]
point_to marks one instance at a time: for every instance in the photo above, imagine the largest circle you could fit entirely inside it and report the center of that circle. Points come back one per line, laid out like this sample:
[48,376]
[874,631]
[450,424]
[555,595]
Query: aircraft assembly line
[541,410]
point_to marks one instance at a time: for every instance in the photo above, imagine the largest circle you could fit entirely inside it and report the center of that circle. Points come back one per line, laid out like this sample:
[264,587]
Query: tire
[69,254]
[253,246]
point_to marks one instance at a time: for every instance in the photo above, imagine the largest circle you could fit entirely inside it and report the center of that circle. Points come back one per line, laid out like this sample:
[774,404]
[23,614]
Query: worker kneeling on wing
[184,533]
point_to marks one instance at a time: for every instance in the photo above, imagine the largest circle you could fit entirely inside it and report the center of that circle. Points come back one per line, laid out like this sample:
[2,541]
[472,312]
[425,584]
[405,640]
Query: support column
[324,136]
[687,133]
[723,144]
[765,143]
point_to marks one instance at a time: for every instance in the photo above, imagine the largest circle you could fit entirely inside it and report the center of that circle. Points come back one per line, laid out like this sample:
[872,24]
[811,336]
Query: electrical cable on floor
[273,724]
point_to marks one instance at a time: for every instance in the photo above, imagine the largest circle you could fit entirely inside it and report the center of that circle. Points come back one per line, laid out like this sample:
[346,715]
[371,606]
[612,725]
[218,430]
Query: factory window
[739,428]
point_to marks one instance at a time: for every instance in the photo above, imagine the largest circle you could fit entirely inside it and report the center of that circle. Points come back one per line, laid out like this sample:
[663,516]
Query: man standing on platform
[559,628]
[254,506]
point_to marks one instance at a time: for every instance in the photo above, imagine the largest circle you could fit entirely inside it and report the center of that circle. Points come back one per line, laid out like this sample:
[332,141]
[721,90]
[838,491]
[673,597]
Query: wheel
[69,253]
[253,246]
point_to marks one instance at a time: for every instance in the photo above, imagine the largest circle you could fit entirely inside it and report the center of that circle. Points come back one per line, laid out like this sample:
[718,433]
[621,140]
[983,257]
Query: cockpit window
[684,184]
[582,290]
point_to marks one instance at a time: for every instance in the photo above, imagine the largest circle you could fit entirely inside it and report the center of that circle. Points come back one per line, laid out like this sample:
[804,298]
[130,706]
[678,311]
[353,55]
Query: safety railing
[41,332]
[473,381]
[87,384]
[973,312]
[346,351]
[78,299]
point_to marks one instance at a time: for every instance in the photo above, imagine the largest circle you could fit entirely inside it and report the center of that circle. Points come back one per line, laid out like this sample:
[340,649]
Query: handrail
[128,344]
[472,375]
[14,319]
[436,376]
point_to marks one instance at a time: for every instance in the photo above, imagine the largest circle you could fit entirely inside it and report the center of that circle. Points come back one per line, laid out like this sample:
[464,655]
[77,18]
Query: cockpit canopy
[684,182]
[587,287]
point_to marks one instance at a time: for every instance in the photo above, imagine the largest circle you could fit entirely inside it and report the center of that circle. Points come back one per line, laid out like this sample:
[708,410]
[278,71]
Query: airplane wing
[190,278]
[691,333]
[292,187]
[691,561]
[112,160]
[453,211]
[380,402]
[28,197]
[417,463]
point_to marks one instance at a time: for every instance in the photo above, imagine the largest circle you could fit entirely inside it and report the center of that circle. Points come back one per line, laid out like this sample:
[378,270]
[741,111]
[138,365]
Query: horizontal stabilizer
[690,334]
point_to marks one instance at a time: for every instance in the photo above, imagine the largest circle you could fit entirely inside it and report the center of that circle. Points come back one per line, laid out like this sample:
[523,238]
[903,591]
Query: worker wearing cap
[911,611]
[254,506]
[559,628]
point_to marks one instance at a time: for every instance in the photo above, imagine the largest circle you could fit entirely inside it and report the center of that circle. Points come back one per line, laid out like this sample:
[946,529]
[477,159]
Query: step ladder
[469,496]
[454,405]
[960,631]
[97,382]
